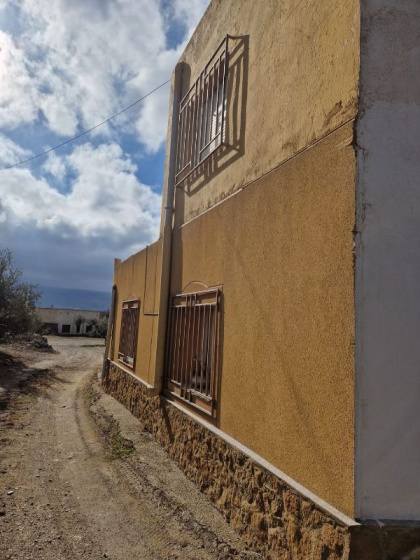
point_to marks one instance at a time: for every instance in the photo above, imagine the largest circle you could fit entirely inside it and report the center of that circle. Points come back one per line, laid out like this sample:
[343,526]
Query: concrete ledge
[149,387]
[271,511]
[322,504]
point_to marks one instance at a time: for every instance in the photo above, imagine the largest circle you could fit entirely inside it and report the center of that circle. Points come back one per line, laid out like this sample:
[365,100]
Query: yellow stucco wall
[282,249]
[138,277]
[293,78]
[282,246]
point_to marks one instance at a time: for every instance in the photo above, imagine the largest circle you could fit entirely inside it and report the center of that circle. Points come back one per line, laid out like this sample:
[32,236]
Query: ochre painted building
[268,337]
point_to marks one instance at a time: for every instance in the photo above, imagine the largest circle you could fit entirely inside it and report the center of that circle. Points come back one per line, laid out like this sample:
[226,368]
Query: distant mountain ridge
[74,298]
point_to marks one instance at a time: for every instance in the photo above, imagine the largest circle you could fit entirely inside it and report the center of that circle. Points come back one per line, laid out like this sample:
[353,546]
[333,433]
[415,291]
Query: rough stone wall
[270,516]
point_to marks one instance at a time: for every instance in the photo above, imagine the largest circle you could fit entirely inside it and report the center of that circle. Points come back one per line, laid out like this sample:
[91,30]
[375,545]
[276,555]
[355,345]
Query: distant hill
[75,299]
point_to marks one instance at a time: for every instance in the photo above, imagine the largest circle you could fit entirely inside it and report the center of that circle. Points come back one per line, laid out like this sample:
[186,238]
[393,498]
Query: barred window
[202,115]
[128,332]
[192,350]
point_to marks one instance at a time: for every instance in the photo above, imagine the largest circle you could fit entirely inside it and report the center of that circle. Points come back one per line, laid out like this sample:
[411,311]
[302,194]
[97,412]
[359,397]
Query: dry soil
[79,477]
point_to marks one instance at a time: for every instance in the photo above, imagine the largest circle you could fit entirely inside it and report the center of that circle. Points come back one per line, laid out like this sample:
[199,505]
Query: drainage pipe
[167,218]
[110,331]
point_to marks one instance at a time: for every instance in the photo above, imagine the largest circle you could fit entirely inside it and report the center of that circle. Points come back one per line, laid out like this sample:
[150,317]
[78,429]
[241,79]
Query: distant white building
[69,321]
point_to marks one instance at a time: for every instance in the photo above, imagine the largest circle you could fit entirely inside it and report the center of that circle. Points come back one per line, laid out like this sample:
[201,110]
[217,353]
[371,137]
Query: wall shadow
[233,147]
[225,155]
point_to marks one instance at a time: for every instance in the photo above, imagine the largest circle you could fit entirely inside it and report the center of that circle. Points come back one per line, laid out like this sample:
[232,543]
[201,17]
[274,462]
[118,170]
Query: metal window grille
[128,332]
[192,350]
[202,115]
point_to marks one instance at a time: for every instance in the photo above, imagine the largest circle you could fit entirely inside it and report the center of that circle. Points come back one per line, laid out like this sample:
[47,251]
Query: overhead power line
[85,131]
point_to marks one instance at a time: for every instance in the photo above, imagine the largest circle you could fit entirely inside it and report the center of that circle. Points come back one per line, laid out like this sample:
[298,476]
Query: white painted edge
[322,504]
[319,502]
[139,379]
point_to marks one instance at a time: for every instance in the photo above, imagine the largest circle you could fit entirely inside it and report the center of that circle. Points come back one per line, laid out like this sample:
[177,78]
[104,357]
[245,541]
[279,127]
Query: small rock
[10,492]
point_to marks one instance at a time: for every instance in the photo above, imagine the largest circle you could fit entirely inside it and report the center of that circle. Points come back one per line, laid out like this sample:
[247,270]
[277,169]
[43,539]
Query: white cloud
[55,166]
[79,62]
[65,66]
[189,12]
[10,152]
[105,200]
[17,92]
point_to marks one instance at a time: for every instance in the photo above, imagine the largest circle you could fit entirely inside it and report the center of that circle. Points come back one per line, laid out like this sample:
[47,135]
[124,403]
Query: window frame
[201,127]
[129,321]
[193,339]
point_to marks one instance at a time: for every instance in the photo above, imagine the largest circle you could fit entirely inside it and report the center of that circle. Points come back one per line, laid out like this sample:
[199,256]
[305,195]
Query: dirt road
[80,479]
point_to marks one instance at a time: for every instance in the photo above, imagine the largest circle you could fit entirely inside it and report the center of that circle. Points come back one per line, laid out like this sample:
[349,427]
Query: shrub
[17,299]
[98,328]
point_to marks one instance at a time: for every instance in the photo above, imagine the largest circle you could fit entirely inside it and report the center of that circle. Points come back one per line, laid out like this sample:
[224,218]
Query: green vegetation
[91,395]
[79,320]
[121,448]
[98,328]
[17,299]
[95,328]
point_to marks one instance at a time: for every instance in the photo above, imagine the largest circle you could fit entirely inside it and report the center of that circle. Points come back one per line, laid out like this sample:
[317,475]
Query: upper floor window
[202,115]
[128,332]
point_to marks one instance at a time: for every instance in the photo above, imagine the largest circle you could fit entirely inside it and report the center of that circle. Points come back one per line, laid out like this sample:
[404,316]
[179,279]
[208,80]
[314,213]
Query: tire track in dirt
[64,495]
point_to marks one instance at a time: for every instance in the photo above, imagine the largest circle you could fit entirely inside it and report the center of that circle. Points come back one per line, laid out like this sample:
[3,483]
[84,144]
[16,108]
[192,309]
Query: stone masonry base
[271,517]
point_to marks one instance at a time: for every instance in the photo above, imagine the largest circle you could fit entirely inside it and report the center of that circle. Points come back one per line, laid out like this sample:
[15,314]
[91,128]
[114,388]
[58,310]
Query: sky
[66,65]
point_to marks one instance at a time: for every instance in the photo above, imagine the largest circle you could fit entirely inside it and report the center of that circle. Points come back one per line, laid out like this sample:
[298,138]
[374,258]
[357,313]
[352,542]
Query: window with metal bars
[202,115]
[128,332]
[192,349]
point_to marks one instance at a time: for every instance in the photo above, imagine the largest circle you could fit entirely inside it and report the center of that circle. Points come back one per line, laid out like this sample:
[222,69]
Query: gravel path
[80,479]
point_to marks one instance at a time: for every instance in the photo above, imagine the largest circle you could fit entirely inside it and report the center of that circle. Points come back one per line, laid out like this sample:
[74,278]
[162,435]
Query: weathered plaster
[138,277]
[282,249]
[271,512]
[387,263]
[293,79]
[270,515]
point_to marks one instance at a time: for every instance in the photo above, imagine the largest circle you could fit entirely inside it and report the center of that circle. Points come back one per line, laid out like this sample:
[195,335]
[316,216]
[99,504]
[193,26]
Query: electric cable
[85,131]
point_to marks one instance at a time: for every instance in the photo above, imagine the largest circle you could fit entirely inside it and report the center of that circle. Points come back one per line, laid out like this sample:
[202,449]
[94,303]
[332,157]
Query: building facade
[275,318]
[69,321]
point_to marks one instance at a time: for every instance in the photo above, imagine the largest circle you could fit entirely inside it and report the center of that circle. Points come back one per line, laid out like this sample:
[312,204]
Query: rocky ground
[81,479]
